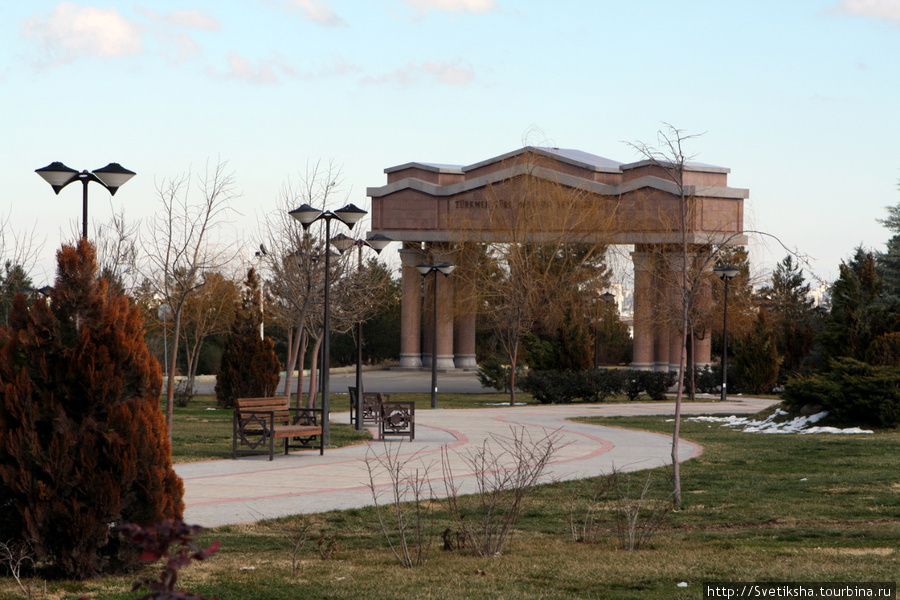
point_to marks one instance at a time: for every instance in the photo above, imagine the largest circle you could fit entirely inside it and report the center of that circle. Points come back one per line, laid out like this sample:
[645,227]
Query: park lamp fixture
[424,269]
[307,215]
[112,177]
[726,273]
[377,242]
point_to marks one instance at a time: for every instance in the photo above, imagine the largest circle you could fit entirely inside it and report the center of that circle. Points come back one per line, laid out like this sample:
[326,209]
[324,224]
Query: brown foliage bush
[83,444]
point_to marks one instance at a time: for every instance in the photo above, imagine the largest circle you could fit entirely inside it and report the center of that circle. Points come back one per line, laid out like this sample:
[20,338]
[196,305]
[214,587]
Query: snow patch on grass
[772,424]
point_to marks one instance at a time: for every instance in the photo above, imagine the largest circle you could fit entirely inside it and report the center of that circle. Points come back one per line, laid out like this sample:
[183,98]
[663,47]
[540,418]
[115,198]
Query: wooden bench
[259,421]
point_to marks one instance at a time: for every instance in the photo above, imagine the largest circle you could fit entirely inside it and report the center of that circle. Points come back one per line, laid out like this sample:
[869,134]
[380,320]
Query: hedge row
[595,385]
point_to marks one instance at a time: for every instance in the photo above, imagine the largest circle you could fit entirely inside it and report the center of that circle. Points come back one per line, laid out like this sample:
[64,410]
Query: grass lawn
[756,508]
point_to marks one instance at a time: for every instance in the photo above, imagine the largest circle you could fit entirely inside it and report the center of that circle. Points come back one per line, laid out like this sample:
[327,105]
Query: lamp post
[307,215]
[112,177]
[426,268]
[260,254]
[726,273]
[377,242]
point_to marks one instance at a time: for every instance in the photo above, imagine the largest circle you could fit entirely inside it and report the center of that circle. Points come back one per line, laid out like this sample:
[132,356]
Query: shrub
[656,384]
[552,387]
[84,444]
[853,392]
[492,374]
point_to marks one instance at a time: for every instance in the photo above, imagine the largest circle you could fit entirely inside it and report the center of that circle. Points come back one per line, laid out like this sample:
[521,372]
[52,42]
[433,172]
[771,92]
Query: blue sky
[800,99]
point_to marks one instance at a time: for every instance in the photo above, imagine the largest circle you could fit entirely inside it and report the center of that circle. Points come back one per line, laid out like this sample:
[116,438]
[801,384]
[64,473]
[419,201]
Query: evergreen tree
[13,279]
[757,359]
[889,261]
[83,444]
[858,311]
[792,317]
[250,367]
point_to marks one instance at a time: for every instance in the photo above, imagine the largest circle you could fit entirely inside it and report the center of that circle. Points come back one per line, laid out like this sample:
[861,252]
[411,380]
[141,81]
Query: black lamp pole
[307,215]
[726,273]
[112,177]
[377,242]
[426,268]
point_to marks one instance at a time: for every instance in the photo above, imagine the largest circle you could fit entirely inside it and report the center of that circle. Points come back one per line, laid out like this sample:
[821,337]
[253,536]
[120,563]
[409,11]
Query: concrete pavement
[253,488]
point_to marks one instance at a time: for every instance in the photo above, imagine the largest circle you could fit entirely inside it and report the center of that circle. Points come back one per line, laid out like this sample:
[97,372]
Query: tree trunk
[314,374]
[170,384]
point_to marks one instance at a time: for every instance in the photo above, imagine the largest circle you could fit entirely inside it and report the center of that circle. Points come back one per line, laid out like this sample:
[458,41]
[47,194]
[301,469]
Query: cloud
[193,19]
[472,6]
[317,12]
[72,31]
[886,10]
[442,72]
[186,19]
[240,68]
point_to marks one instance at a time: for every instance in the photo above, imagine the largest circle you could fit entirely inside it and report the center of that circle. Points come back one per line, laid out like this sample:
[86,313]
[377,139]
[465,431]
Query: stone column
[464,339]
[661,340]
[642,350]
[445,285]
[676,299]
[703,343]
[410,308]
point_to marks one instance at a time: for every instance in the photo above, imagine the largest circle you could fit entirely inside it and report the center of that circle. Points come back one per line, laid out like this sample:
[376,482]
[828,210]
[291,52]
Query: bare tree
[294,259]
[179,247]
[207,312]
[19,250]
[117,242]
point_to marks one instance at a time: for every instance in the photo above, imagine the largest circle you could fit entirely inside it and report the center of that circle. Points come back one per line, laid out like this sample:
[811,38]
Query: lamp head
[113,176]
[350,214]
[726,271]
[305,214]
[378,242]
[57,175]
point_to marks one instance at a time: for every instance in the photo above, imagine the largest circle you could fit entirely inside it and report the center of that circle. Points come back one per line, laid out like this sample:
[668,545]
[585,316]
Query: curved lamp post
[112,177]
[377,242]
[307,215]
[426,268]
[726,273]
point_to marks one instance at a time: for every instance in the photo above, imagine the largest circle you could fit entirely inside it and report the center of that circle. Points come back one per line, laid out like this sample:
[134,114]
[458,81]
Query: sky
[800,99]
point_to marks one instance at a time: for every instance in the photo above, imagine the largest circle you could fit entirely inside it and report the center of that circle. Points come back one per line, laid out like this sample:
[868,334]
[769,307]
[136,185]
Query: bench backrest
[276,404]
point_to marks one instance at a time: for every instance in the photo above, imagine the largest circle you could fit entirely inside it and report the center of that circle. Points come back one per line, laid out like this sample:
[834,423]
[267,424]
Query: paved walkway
[253,488]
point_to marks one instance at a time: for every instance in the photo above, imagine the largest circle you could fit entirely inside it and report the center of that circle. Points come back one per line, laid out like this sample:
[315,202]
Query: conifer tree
[250,367]
[83,444]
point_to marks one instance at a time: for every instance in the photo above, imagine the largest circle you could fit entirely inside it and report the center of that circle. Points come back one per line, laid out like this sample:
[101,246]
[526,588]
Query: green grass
[756,508]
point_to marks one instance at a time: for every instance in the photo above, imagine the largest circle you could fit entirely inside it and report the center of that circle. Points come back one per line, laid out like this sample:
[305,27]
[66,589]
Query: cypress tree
[250,367]
[83,444]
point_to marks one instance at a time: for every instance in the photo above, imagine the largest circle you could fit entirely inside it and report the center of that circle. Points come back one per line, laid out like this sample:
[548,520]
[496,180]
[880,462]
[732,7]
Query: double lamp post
[112,177]
[349,216]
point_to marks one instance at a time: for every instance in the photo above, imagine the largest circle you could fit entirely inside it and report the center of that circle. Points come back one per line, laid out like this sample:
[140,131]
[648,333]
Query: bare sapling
[505,469]
[639,517]
[404,504]
[15,555]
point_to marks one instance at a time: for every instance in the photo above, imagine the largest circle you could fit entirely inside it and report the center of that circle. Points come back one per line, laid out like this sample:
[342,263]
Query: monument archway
[433,207]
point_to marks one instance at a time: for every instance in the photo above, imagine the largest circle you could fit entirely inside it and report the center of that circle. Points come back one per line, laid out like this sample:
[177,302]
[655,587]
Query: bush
[595,385]
[552,387]
[853,392]
[492,374]
[84,444]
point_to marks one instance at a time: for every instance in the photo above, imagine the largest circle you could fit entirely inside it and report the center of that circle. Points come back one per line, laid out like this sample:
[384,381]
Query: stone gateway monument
[432,208]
